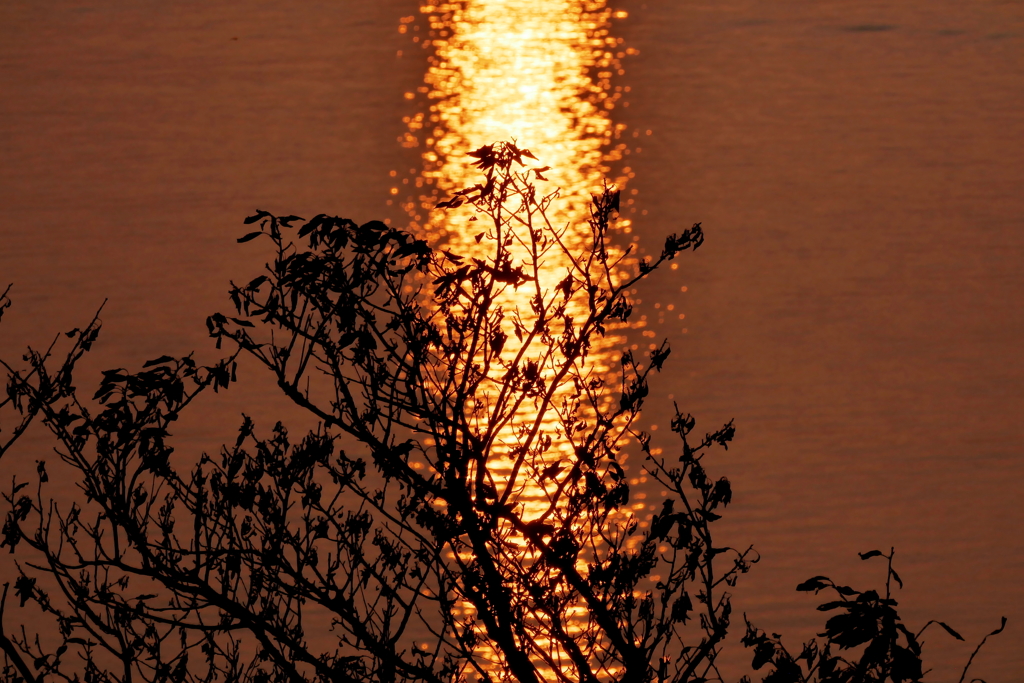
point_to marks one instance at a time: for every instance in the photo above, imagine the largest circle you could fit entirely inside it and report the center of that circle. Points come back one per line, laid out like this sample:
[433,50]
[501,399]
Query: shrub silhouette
[861,619]
[461,512]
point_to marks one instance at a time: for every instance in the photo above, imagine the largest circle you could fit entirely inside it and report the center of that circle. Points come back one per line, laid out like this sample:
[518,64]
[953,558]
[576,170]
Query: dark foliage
[460,513]
[865,626]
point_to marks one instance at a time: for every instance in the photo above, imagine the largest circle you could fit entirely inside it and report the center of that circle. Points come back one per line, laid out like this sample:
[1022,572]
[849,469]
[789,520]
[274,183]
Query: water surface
[857,307]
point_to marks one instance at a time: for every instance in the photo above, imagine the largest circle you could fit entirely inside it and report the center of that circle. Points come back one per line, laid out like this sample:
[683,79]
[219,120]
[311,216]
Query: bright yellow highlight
[537,71]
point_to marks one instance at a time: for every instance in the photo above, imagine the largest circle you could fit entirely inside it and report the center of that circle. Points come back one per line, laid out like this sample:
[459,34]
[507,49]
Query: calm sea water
[857,307]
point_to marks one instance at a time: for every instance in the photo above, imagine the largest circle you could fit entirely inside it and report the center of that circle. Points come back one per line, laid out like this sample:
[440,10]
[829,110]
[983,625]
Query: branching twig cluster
[462,511]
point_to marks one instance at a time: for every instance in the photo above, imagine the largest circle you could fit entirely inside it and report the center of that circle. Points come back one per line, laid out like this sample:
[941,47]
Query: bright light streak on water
[539,72]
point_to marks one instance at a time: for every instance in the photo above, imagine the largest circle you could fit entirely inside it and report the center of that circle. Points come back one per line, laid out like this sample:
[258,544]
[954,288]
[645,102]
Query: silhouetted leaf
[949,630]
[850,630]
[906,665]
[454,258]
[256,282]
[23,588]
[764,650]
[540,528]
[835,604]
[551,471]
[257,216]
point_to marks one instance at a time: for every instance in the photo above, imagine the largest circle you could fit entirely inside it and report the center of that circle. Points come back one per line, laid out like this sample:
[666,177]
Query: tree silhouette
[865,626]
[460,512]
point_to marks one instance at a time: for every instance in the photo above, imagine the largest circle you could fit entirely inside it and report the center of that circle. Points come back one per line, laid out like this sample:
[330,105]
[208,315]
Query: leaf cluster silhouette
[461,511]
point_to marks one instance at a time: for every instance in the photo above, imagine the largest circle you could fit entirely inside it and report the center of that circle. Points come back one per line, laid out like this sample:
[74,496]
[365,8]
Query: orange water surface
[858,306]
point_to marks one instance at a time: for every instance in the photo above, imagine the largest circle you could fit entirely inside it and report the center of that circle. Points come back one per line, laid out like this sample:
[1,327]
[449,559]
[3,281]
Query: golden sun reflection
[539,72]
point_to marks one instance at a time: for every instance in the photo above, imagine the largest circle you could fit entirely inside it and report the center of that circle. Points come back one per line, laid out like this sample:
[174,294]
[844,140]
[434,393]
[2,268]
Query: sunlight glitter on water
[538,72]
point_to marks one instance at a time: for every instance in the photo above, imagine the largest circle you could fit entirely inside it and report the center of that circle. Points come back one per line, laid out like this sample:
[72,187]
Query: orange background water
[857,306]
